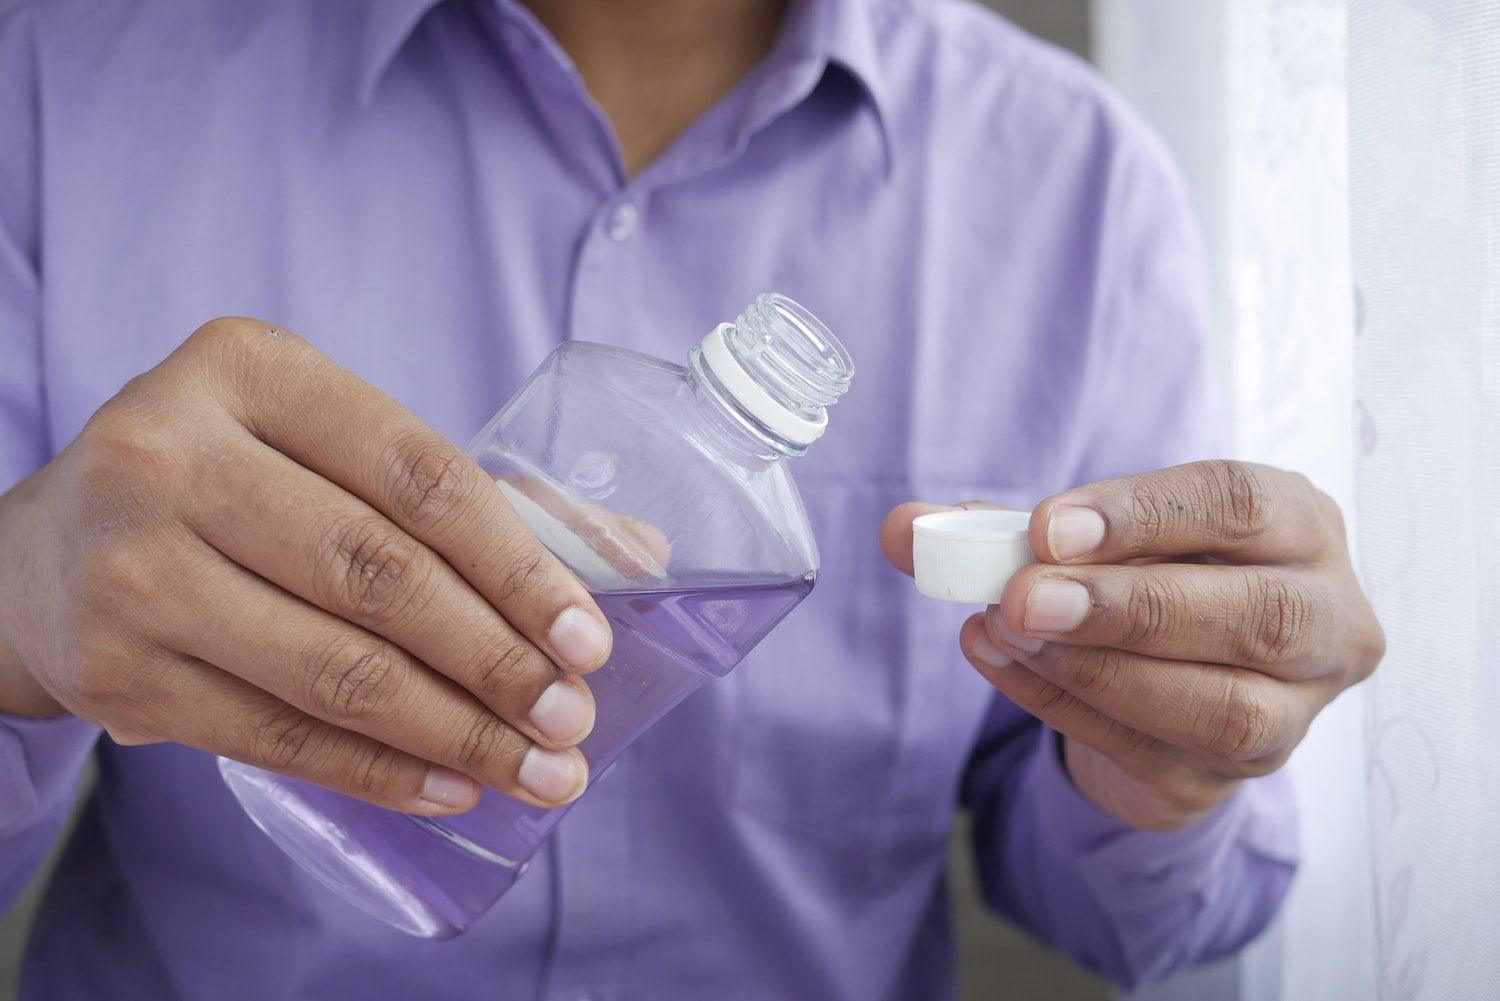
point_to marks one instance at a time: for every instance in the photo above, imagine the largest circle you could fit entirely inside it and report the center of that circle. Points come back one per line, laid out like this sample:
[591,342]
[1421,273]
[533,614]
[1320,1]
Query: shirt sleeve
[1131,905]
[40,759]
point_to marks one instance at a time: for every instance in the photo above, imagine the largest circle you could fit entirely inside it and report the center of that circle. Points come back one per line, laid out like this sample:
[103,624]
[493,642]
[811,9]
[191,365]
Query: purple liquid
[433,877]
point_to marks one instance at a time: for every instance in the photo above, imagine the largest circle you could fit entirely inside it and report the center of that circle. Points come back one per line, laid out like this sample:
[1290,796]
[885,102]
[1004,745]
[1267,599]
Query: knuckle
[231,341]
[431,479]
[1371,650]
[1189,795]
[1243,499]
[283,738]
[372,570]
[502,670]
[119,578]
[1054,702]
[225,343]
[1330,513]
[121,451]
[222,330]
[1151,514]
[523,574]
[1149,609]
[350,681]
[1097,670]
[1281,619]
[1255,768]
[1244,731]
[1321,517]
[97,684]
[377,773]
[243,353]
[485,744]
[1132,742]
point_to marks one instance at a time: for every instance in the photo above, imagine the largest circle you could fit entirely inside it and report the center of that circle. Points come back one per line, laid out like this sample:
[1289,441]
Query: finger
[1234,509]
[896,530]
[1231,715]
[324,417]
[312,539]
[1136,752]
[1271,619]
[213,711]
[357,681]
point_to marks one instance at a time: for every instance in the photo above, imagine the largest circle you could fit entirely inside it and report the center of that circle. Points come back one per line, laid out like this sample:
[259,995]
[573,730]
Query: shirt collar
[839,31]
[387,26]
[842,32]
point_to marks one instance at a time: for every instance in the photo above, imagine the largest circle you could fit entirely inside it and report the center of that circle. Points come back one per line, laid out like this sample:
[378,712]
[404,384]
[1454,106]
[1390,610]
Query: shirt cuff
[40,760]
[1128,870]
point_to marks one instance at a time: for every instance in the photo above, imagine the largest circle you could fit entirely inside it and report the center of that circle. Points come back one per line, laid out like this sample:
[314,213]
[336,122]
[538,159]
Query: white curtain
[1424,86]
[1314,133]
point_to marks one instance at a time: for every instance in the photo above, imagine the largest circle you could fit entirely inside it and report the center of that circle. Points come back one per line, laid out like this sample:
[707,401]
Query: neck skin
[655,66]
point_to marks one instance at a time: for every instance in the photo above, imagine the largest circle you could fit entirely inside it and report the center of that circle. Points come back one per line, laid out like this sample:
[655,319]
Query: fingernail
[1073,532]
[987,653]
[1023,643]
[563,713]
[550,776]
[445,787]
[1056,606]
[578,638]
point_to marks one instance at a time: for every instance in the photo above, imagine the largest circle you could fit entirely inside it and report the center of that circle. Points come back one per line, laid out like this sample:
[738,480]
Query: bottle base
[397,867]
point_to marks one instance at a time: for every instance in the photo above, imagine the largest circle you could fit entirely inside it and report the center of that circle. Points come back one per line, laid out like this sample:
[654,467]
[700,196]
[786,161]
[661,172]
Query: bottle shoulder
[619,436]
[606,363]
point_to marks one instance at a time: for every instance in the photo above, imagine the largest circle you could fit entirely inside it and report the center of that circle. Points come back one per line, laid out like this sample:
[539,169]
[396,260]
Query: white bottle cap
[969,556]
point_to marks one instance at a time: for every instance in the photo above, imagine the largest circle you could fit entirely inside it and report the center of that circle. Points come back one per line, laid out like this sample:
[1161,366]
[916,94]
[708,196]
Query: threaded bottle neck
[777,369]
[791,355]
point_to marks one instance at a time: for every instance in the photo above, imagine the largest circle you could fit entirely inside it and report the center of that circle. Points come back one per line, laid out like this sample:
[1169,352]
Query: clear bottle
[665,489]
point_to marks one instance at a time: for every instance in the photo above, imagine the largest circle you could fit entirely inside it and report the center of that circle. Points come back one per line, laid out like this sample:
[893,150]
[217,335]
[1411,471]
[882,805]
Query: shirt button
[622,222]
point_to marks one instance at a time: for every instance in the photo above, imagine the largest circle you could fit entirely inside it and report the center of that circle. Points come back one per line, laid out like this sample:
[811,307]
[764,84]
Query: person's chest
[441,240]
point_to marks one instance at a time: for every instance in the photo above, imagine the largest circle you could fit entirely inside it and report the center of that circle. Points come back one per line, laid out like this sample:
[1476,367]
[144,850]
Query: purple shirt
[426,192]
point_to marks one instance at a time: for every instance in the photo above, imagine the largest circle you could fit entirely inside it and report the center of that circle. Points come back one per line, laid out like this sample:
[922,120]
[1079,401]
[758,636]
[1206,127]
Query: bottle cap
[968,556]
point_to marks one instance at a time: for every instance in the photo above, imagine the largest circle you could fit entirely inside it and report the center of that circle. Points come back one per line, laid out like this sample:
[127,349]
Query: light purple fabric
[424,190]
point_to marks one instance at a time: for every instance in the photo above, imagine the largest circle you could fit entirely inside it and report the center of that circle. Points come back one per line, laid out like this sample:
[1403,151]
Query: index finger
[373,447]
[1239,510]
[896,528]
[896,536]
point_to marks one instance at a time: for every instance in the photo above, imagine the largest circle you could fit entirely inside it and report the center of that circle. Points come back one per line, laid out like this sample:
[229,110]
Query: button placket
[605,271]
[593,848]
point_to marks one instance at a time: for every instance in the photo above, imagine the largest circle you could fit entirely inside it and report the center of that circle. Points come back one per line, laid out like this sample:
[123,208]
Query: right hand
[251,551]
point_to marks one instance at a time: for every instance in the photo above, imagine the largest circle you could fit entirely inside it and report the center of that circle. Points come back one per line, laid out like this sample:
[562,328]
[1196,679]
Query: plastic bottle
[666,490]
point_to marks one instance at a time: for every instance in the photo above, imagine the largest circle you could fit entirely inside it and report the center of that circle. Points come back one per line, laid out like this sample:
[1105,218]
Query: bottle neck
[765,382]
[728,427]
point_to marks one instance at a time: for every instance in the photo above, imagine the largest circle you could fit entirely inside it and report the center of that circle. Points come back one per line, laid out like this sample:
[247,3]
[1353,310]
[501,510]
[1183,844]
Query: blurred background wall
[997,962]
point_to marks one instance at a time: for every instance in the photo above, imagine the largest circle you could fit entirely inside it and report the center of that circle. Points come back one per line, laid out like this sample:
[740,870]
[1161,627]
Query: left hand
[1181,631]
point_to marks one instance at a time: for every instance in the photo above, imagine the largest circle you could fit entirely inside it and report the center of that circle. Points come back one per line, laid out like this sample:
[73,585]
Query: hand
[1182,630]
[253,552]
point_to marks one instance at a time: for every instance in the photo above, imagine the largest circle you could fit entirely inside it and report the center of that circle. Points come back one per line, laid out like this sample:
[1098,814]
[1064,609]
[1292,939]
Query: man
[254,550]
